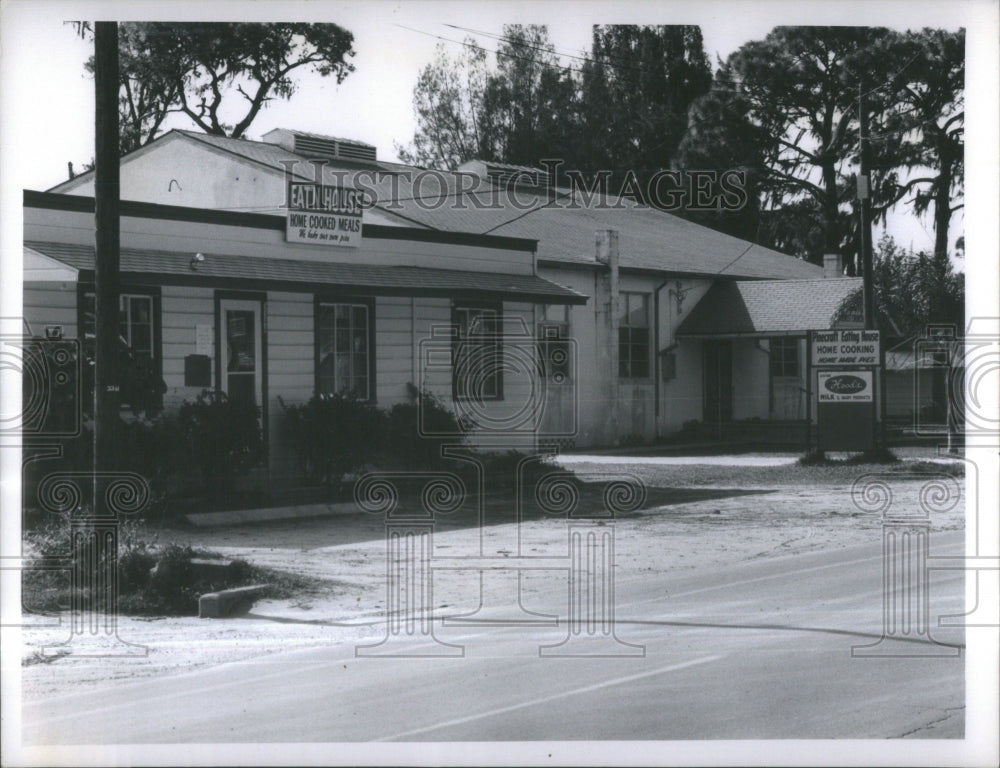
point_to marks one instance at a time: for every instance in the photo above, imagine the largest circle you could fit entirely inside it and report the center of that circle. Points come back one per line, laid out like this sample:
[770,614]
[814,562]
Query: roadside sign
[840,348]
[845,387]
[845,410]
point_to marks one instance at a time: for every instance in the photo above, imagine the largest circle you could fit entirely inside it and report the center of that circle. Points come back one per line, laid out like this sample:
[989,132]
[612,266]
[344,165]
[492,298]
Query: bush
[155,449]
[334,435]
[152,580]
[418,430]
[223,438]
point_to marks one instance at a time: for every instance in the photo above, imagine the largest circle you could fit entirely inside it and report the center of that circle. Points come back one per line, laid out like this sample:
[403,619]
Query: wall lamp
[679,292]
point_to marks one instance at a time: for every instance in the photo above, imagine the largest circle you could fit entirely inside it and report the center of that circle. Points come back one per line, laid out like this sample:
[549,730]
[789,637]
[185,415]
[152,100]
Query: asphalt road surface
[757,650]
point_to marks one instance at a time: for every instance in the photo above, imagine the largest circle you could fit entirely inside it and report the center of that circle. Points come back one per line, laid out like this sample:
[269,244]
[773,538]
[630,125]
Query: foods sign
[323,214]
[845,387]
[845,348]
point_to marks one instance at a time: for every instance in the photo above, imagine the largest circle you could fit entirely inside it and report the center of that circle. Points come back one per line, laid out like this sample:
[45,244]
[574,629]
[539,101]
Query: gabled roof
[649,239]
[770,307]
[175,267]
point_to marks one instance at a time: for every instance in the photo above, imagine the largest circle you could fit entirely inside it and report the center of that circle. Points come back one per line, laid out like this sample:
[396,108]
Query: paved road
[757,650]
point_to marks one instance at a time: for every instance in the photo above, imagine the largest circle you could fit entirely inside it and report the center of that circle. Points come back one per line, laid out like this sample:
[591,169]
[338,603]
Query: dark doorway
[718,384]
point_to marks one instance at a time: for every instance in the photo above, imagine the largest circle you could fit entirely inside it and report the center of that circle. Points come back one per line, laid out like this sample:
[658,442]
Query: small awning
[770,307]
[260,273]
[37,267]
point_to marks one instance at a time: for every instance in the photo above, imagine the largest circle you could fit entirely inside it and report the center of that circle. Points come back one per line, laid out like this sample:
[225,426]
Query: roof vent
[313,145]
[503,175]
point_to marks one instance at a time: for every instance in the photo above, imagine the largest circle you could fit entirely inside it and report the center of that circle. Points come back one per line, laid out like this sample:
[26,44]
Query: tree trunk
[942,198]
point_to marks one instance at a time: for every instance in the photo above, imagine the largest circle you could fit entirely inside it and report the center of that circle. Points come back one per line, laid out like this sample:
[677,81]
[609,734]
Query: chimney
[832,265]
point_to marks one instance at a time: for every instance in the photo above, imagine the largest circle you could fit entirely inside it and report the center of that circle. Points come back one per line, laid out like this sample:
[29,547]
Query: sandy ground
[694,527]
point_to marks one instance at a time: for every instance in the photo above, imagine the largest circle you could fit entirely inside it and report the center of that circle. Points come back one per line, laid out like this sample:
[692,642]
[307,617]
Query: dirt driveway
[696,516]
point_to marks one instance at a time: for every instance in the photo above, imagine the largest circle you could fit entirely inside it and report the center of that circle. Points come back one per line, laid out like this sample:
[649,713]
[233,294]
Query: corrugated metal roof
[648,238]
[769,306]
[318,274]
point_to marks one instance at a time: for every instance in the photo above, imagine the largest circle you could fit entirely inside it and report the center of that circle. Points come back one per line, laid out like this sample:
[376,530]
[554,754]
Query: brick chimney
[832,265]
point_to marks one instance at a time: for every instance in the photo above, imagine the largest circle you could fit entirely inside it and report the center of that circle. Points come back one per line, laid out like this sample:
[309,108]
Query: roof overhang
[156,267]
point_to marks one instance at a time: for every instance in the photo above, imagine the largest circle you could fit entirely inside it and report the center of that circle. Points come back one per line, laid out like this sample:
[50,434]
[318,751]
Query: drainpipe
[657,373]
[606,312]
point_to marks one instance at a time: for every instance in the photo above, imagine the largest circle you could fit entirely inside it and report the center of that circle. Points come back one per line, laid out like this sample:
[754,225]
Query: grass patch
[153,580]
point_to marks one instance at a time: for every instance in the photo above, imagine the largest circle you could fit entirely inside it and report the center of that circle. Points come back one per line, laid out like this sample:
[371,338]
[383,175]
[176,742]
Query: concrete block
[217,605]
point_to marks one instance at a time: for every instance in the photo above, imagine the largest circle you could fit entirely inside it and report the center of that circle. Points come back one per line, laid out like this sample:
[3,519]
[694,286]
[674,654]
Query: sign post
[848,365]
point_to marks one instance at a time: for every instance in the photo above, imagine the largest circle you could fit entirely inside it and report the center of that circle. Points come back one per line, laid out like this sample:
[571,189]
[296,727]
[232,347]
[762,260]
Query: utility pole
[867,284]
[107,243]
[864,198]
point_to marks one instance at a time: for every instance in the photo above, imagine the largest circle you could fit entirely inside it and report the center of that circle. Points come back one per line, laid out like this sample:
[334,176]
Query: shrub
[151,580]
[334,435]
[418,429]
[223,438]
[155,449]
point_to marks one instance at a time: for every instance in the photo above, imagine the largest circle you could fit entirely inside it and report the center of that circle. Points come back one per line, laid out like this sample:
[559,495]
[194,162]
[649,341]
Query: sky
[393,41]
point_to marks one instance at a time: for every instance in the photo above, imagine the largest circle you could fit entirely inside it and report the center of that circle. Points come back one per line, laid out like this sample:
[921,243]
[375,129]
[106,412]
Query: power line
[561,52]
[630,110]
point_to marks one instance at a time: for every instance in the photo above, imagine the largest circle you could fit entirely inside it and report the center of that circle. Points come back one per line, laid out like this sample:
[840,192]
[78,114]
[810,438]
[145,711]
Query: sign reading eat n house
[323,214]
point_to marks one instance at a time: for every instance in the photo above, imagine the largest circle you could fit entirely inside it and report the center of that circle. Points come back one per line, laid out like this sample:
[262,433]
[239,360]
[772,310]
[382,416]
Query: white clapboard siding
[513,419]
[393,349]
[182,309]
[50,304]
[431,374]
[291,371]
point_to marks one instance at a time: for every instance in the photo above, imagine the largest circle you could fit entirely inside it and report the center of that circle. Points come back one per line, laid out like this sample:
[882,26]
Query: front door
[240,350]
[718,374]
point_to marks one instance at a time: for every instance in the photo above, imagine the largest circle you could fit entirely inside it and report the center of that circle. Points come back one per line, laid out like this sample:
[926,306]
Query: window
[343,350]
[633,336]
[553,342]
[784,357]
[477,353]
[135,324]
[140,384]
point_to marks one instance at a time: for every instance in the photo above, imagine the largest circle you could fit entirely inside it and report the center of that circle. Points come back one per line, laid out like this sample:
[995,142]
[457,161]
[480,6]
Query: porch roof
[770,307]
[228,270]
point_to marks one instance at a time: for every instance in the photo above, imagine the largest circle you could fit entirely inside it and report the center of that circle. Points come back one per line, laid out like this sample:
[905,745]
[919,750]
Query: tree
[799,89]
[922,131]
[635,93]
[518,112]
[530,100]
[448,105]
[624,109]
[191,69]
[720,137]
[914,289]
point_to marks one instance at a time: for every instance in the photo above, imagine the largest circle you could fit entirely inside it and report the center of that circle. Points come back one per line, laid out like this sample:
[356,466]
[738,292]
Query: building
[645,364]
[218,299]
